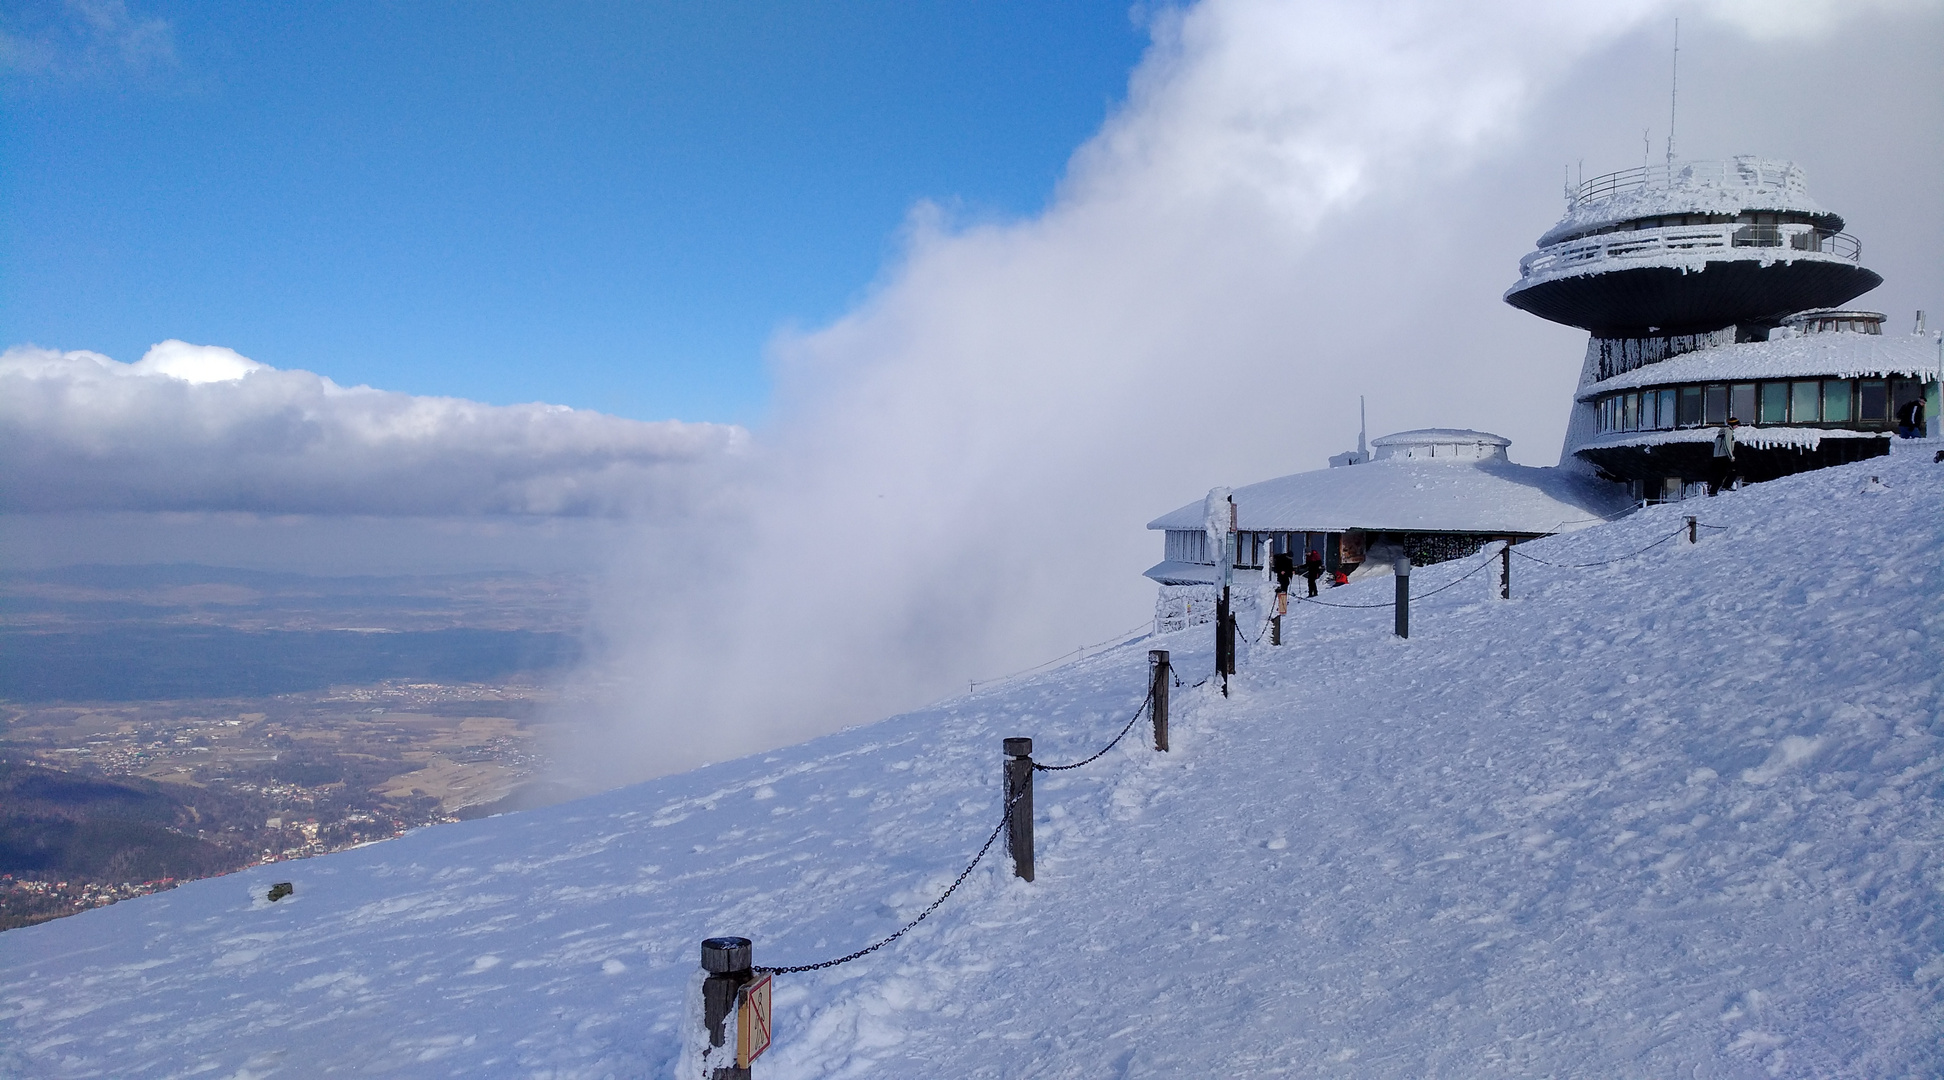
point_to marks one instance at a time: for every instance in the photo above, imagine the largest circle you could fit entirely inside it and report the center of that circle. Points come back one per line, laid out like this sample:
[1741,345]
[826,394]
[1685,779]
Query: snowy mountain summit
[1671,810]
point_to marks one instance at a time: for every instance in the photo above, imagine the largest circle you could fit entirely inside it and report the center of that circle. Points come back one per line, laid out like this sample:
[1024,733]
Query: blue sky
[610,206]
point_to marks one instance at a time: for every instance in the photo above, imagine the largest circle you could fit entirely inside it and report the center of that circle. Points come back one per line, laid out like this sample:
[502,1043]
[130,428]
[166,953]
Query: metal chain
[1145,702]
[1125,637]
[1602,562]
[1393,603]
[1004,820]
[1447,585]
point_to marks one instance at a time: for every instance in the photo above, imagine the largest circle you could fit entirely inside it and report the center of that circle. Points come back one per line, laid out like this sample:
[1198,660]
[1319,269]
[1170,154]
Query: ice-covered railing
[1742,174]
[1688,241]
[1715,189]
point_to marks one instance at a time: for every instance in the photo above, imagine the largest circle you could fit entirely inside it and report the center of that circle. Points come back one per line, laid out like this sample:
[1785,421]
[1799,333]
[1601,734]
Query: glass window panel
[1690,406]
[1741,402]
[1903,390]
[1836,400]
[1872,400]
[1716,401]
[1775,403]
[1805,402]
[1664,410]
[1632,408]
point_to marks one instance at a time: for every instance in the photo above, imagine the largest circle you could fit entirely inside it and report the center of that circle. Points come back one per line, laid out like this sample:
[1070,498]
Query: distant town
[102,800]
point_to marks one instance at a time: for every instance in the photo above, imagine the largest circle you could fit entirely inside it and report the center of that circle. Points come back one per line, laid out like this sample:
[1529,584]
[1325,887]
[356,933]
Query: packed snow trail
[1676,815]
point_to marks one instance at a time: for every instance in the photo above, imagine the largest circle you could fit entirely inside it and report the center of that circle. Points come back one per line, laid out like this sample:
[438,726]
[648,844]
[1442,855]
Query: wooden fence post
[1160,677]
[1019,796]
[728,960]
[1402,568]
[1505,571]
[1691,527]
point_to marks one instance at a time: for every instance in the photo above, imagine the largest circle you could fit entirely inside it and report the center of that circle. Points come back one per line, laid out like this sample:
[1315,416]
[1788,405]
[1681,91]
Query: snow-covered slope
[1677,815]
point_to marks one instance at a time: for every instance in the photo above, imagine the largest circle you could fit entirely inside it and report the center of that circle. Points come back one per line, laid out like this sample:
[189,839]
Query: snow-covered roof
[1176,572]
[1419,494]
[1447,445]
[1838,355]
[1744,183]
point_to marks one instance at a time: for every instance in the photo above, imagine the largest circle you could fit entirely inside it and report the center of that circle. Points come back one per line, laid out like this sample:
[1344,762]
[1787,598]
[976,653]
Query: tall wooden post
[1224,639]
[1691,529]
[1505,571]
[729,962]
[1019,796]
[1160,677]
[1402,568]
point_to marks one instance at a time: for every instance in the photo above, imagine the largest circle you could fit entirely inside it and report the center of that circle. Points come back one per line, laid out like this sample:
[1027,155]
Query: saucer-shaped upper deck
[1690,247]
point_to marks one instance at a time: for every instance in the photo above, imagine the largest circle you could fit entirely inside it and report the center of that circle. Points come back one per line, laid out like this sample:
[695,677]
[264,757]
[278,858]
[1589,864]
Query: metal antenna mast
[1673,90]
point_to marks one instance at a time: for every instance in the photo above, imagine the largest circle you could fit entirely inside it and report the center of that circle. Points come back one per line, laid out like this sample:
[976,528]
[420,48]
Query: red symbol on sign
[753,1022]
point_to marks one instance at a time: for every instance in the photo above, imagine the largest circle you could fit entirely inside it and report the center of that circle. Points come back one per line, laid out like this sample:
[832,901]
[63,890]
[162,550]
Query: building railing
[1748,173]
[1687,239]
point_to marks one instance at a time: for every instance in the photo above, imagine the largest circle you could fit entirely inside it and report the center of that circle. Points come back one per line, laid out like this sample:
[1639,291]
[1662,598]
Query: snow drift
[1677,814]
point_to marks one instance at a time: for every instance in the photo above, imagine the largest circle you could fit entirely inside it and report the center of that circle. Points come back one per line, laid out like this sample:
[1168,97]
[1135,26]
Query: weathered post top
[1019,747]
[726,955]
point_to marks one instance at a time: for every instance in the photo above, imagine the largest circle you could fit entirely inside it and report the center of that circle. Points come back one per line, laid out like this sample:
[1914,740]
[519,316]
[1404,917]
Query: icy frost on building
[1713,294]
[1719,352]
[1427,495]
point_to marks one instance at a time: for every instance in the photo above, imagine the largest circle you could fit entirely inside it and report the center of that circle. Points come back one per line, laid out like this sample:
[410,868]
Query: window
[1630,412]
[1903,391]
[1690,406]
[1664,410]
[1805,402]
[1873,400]
[1716,401]
[1741,402]
[1775,403]
[1836,400]
[1185,545]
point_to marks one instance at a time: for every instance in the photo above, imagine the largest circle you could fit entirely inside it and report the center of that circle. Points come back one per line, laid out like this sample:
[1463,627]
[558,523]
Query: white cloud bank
[202,428]
[1298,204]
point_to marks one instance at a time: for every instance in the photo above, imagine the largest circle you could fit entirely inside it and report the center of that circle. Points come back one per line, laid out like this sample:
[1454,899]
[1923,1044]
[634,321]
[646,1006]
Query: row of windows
[1859,402]
[1252,548]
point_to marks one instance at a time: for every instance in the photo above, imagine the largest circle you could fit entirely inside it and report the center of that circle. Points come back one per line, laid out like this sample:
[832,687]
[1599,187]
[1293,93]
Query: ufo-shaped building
[1720,351]
[1714,293]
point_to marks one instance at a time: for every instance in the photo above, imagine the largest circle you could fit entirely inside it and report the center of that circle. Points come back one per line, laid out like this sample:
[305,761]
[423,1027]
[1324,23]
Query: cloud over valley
[201,428]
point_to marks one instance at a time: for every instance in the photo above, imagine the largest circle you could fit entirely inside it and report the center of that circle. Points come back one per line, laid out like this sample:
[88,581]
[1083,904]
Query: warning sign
[753,1022]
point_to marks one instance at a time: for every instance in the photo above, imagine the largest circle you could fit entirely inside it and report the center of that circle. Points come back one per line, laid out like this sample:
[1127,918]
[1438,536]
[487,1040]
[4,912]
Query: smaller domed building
[1427,495]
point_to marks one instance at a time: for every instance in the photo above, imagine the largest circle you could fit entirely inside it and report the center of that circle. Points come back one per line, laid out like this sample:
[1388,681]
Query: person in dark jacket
[1284,567]
[1313,569]
[1910,419]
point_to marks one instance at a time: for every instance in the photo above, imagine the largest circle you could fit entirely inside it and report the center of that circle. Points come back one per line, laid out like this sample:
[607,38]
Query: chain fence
[984,849]
[1102,752]
[1125,637]
[997,831]
[1005,819]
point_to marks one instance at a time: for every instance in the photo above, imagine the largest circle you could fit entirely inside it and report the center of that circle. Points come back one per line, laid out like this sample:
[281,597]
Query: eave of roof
[1419,496]
[1837,355]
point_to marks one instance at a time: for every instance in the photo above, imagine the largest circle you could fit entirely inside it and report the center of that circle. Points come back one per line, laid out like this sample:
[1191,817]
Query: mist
[1296,206]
